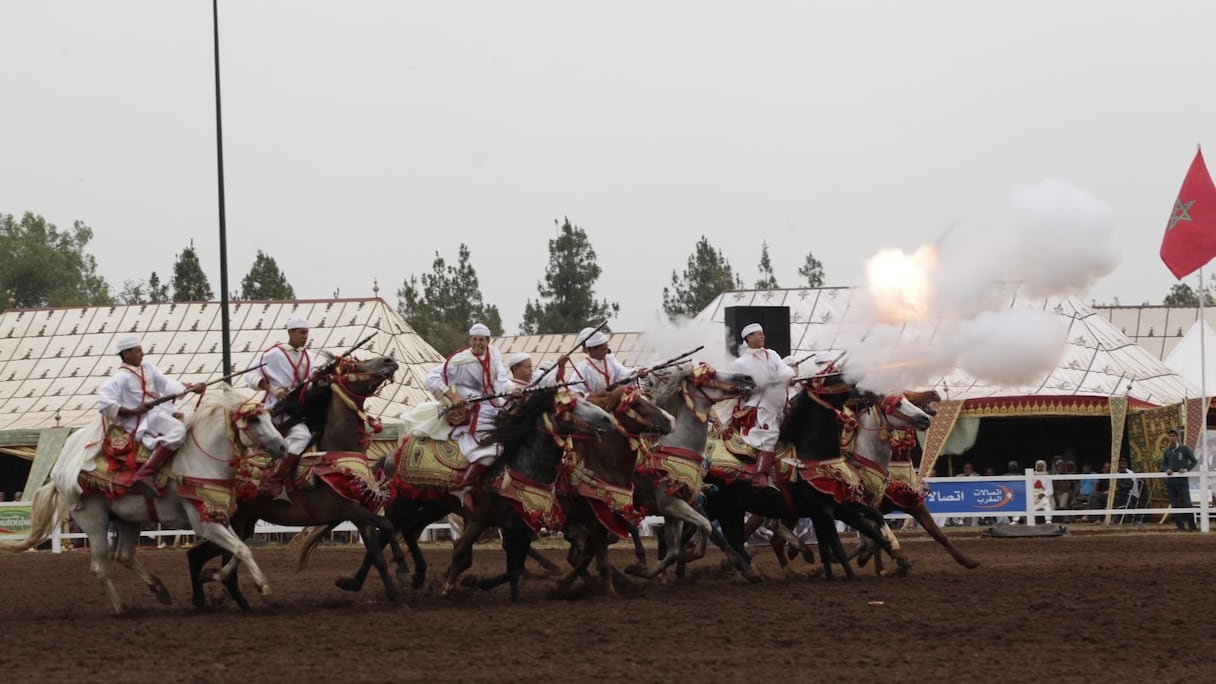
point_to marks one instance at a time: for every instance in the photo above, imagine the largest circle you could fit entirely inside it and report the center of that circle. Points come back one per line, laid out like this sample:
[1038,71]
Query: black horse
[812,427]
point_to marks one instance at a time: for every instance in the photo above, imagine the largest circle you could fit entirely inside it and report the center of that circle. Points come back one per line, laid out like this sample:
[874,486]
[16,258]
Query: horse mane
[517,424]
[216,401]
[667,389]
[797,413]
[609,399]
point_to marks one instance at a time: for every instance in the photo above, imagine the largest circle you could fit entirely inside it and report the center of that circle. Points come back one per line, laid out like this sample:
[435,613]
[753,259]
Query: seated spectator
[1087,489]
[1062,490]
[1042,491]
[1126,488]
[989,472]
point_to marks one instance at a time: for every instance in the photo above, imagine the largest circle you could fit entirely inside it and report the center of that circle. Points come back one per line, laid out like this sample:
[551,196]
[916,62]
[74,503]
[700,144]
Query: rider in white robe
[599,370]
[772,376]
[474,371]
[123,400]
[287,366]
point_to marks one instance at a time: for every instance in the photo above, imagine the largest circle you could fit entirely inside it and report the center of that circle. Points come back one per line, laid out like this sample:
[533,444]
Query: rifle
[170,397]
[577,343]
[659,366]
[327,368]
[526,391]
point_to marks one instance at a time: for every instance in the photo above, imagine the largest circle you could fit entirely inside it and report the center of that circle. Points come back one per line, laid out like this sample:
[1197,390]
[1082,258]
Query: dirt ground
[1110,607]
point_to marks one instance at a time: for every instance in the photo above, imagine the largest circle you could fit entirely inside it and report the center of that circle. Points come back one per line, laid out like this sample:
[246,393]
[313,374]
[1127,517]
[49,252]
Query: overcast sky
[362,137]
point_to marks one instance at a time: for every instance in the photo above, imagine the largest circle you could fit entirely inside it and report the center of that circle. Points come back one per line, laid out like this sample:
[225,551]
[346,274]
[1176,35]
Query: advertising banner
[978,495]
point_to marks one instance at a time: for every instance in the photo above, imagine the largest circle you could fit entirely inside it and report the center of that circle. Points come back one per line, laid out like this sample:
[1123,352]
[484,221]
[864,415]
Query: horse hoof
[469,581]
[347,584]
[417,581]
[162,595]
[971,564]
[637,570]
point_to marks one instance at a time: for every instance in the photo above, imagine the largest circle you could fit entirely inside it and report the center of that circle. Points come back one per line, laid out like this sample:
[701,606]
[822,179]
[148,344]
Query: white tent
[1186,360]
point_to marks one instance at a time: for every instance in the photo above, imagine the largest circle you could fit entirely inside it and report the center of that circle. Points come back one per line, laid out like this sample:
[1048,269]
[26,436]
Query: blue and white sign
[977,495]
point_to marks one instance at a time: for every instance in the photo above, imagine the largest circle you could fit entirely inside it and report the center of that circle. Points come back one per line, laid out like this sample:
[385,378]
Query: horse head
[635,412]
[924,400]
[902,412]
[700,386]
[254,428]
[364,378]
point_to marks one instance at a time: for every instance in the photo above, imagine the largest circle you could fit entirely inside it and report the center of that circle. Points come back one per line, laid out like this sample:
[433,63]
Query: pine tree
[767,280]
[265,280]
[157,292]
[567,300]
[43,266]
[812,271]
[189,281]
[446,303]
[708,275]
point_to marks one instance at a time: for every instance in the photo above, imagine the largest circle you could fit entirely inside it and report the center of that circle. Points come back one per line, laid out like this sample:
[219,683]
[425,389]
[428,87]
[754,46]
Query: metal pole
[1204,494]
[219,147]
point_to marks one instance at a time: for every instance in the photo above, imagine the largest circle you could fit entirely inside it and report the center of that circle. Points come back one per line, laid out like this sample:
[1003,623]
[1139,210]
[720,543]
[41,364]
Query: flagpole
[1204,495]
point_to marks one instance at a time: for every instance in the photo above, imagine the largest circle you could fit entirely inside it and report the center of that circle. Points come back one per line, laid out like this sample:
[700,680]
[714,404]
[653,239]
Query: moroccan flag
[1190,235]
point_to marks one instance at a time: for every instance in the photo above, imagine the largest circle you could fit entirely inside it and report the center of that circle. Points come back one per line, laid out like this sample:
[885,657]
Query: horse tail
[42,519]
[306,542]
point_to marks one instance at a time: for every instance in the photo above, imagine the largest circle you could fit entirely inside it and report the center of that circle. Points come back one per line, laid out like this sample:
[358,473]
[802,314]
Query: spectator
[1176,460]
[1087,490]
[989,472]
[1127,490]
[1042,488]
[1062,490]
[967,471]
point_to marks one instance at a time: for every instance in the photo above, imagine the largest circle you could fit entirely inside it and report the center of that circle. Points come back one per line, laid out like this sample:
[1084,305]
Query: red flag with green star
[1190,235]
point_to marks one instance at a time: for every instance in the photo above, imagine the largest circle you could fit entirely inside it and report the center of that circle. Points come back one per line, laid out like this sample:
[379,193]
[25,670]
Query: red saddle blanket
[347,473]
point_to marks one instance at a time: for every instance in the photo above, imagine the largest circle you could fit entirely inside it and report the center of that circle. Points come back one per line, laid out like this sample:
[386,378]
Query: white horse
[199,487]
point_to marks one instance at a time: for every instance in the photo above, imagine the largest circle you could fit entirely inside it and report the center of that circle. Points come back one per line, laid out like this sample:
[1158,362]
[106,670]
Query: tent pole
[1205,494]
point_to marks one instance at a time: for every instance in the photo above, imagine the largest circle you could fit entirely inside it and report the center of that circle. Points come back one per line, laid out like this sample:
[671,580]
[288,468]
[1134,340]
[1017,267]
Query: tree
[767,280]
[42,266]
[446,303]
[189,282]
[265,280]
[140,292]
[158,292]
[1182,294]
[812,271]
[567,300]
[708,275]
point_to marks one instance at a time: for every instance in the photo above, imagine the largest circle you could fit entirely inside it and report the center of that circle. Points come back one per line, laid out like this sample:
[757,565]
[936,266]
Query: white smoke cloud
[1055,240]
[670,338]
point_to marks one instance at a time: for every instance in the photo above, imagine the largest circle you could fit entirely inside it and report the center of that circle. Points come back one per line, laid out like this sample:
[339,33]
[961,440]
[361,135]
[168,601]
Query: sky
[361,137]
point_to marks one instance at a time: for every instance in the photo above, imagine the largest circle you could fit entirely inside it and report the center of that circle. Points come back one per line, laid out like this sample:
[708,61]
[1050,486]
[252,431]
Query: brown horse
[334,409]
[596,489]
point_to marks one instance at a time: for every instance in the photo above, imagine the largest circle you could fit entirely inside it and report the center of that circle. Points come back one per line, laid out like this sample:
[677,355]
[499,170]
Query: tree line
[43,266]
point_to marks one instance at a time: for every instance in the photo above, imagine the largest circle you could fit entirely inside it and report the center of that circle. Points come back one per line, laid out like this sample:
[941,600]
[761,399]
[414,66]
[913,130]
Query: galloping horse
[670,480]
[516,494]
[334,410]
[199,493]
[596,490]
[886,434]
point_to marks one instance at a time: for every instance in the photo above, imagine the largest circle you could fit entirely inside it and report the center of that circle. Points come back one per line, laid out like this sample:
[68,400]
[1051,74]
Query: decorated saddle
[117,458]
[611,503]
[347,473]
[905,488]
[732,459]
[680,471]
[427,468]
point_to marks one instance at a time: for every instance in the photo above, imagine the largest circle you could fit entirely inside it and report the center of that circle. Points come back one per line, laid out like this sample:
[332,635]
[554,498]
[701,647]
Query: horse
[333,409]
[516,494]
[670,478]
[596,490]
[199,493]
[817,486]
[886,434]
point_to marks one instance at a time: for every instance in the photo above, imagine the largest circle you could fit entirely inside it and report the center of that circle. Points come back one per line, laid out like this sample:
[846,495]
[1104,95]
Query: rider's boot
[764,463]
[471,475]
[280,477]
[157,458]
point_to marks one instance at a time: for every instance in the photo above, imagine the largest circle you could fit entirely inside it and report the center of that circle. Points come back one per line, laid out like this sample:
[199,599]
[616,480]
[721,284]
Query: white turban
[516,359]
[125,343]
[749,329]
[597,338]
[479,329]
[297,323]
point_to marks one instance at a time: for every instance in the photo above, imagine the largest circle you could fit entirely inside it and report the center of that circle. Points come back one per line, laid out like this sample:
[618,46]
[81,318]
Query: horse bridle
[704,376]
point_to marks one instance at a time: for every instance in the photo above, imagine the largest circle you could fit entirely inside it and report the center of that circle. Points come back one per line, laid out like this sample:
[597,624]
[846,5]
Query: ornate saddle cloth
[427,468]
[733,459]
[536,502]
[680,471]
[612,504]
[118,457]
[347,473]
[834,477]
[905,488]
[873,478]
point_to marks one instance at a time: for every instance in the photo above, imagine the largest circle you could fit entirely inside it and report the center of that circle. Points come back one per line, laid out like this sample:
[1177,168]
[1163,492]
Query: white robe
[131,386]
[594,376]
[471,376]
[286,367]
[772,377]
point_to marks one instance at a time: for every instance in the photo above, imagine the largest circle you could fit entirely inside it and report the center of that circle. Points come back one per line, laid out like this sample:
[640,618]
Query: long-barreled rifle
[171,397]
[658,366]
[526,391]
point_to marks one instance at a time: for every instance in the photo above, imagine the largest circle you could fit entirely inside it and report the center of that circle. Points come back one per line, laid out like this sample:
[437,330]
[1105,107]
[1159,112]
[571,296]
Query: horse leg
[599,544]
[197,556]
[578,566]
[94,520]
[922,516]
[229,541]
[549,566]
[373,530]
[124,552]
[462,553]
[830,547]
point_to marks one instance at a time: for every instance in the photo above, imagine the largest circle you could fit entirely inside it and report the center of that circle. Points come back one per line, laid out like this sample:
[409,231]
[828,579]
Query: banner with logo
[978,495]
[15,519]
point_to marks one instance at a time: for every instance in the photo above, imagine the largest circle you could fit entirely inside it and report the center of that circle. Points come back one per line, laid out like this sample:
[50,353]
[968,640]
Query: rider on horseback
[758,417]
[474,371]
[284,367]
[124,401]
[600,370]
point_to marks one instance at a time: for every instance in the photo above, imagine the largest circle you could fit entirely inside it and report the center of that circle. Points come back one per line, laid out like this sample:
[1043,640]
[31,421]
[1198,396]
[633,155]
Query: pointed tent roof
[52,361]
[1099,360]
[1190,354]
